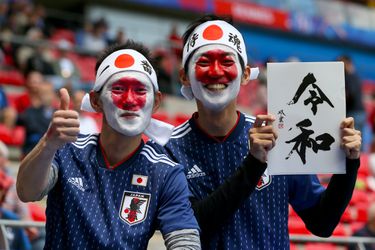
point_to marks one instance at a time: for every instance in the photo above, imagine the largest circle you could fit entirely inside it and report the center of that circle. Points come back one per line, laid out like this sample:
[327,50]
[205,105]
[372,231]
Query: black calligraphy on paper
[303,141]
[317,96]
[281,119]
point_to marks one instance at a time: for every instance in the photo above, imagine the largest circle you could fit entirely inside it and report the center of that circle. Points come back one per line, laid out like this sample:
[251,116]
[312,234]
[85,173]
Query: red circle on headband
[212,32]
[124,61]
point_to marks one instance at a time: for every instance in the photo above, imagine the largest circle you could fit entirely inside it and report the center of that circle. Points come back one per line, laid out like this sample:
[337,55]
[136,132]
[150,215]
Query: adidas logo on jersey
[195,172]
[77,182]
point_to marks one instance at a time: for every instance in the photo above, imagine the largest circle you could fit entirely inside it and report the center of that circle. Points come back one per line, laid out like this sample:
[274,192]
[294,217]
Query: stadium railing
[346,241]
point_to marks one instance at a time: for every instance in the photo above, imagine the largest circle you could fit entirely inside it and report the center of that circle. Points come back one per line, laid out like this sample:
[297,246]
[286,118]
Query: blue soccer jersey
[94,207]
[262,221]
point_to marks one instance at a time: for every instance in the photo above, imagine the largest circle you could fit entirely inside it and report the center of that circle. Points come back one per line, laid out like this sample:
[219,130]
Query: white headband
[130,60]
[215,32]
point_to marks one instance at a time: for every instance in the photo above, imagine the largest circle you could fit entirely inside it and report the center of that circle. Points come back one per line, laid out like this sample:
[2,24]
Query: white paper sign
[308,100]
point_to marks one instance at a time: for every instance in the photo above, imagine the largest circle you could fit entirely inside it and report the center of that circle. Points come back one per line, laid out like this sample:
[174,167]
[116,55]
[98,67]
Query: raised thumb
[64,99]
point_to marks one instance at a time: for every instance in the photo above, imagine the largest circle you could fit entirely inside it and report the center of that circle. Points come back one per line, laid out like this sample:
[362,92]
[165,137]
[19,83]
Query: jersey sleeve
[175,212]
[304,191]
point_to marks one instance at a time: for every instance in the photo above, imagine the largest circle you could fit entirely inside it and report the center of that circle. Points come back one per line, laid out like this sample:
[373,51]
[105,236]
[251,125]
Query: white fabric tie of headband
[130,60]
[188,93]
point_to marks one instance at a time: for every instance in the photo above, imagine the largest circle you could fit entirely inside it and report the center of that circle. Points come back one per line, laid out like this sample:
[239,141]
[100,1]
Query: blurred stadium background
[61,40]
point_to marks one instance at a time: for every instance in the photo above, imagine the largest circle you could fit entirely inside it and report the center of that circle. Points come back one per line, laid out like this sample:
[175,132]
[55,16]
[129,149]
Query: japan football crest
[264,181]
[134,207]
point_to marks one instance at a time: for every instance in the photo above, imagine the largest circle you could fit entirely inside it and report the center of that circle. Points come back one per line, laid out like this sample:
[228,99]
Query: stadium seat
[162,116]
[12,137]
[342,230]
[297,226]
[11,77]
[355,226]
[37,212]
[364,168]
[359,196]
[180,118]
[347,215]
[362,212]
[63,34]
[320,246]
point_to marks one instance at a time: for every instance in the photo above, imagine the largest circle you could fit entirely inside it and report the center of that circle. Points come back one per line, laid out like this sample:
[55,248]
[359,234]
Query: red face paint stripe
[216,66]
[129,94]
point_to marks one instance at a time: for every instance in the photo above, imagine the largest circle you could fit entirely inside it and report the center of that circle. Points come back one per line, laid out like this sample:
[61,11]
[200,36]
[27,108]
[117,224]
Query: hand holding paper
[262,138]
[351,139]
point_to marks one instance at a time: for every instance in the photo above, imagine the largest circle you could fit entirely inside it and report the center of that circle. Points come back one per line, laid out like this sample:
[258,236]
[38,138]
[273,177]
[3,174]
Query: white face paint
[215,75]
[128,99]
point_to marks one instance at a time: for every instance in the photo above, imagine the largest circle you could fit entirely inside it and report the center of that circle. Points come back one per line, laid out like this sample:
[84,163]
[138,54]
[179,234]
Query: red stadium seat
[359,196]
[11,77]
[362,212]
[297,226]
[180,118]
[347,215]
[292,213]
[162,116]
[12,137]
[86,66]
[63,34]
[342,230]
[355,226]
[364,168]
[320,246]
[293,246]
[37,212]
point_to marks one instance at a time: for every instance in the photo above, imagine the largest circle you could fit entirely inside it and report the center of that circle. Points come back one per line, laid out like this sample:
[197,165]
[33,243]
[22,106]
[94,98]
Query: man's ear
[184,79]
[246,75]
[157,101]
[95,101]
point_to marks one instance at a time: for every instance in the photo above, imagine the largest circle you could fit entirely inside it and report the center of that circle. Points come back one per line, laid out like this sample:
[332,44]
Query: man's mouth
[216,86]
[129,115]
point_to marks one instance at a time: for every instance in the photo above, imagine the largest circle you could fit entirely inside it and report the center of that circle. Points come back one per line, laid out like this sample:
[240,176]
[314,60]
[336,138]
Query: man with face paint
[111,190]
[238,205]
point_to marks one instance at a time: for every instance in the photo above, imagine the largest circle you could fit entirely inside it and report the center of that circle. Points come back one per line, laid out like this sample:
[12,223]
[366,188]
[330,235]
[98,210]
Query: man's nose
[128,98]
[216,69]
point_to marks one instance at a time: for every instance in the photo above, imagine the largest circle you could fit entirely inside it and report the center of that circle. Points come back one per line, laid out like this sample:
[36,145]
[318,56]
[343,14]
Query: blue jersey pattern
[84,207]
[262,221]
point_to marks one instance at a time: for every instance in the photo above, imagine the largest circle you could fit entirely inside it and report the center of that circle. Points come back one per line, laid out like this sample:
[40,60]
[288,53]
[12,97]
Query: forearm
[213,211]
[323,218]
[34,171]
[183,239]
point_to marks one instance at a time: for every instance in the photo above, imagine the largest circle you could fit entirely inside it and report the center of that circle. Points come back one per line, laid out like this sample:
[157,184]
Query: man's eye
[117,89]
[141,90]
[203,63]
[228,62]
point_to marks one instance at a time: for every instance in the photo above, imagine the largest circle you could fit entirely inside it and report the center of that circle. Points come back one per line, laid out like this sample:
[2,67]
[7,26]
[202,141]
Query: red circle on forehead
[124,61]
[212,32]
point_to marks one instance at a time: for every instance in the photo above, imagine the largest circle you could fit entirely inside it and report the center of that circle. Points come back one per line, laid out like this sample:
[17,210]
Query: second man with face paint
[111,190]
[237,203]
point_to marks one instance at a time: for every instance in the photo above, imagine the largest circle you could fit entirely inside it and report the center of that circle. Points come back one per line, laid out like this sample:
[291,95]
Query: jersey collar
[229,137]
[103,162]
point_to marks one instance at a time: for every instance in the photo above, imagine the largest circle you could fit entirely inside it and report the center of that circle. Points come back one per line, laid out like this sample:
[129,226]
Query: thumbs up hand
[64,126]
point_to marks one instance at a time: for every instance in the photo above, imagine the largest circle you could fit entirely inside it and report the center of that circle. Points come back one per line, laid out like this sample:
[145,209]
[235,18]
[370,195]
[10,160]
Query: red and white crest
[134,207]
[264,181]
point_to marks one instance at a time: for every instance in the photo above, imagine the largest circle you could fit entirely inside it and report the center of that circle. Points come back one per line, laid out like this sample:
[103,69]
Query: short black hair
[199,21]
[129,44]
